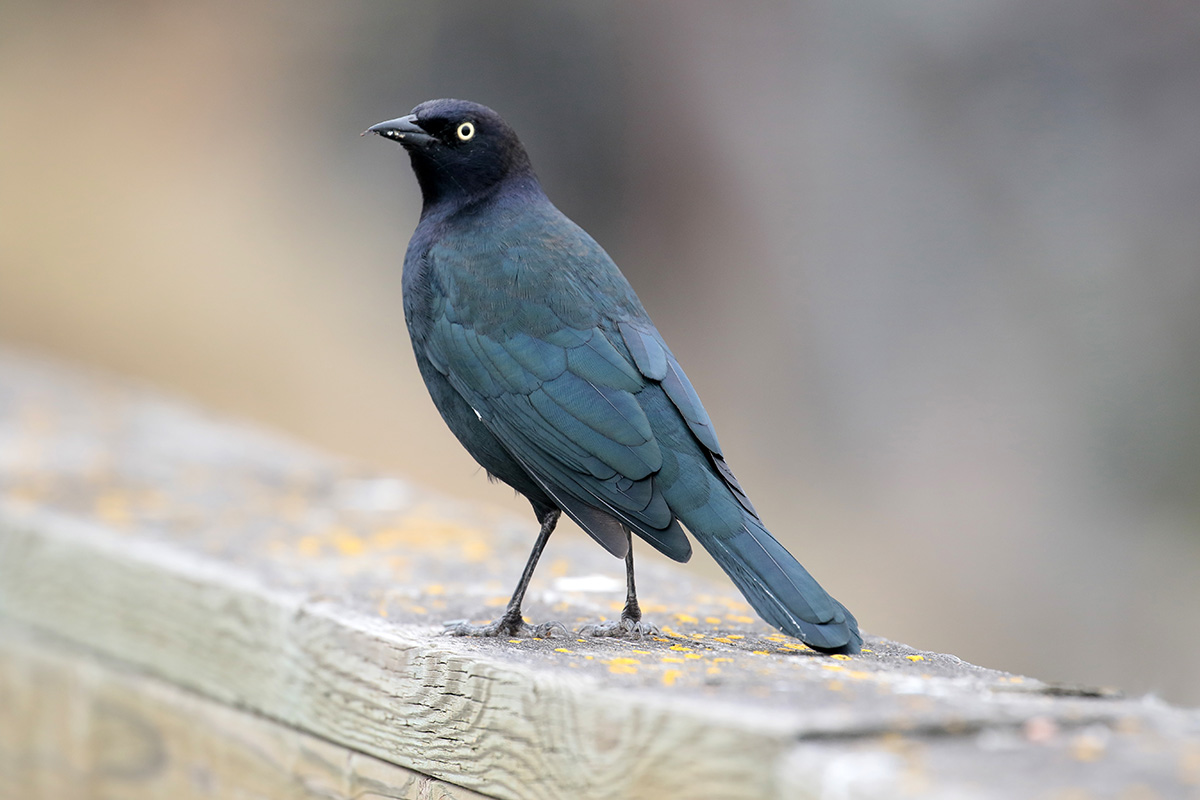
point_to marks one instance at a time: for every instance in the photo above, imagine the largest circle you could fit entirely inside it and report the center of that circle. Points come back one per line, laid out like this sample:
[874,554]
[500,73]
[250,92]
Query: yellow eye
[465,131]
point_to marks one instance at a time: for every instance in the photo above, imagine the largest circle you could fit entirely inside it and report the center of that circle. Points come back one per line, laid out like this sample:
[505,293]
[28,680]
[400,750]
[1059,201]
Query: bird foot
[623,628]
[513,628]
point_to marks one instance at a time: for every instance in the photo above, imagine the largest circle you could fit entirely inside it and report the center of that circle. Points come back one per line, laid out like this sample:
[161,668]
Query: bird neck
[441,197]
[467,178]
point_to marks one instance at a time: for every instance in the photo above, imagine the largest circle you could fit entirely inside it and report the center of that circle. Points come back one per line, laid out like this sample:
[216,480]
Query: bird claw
[505,626]
[624,628]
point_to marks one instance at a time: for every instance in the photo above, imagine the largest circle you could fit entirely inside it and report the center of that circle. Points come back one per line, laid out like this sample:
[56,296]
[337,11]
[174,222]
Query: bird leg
[511,623]
[630,624]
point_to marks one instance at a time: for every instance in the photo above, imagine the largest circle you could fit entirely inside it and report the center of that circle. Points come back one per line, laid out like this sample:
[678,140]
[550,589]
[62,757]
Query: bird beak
[403,130]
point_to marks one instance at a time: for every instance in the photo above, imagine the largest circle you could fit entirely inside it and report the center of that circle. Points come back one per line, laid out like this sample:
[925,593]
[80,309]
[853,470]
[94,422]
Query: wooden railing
[192,608]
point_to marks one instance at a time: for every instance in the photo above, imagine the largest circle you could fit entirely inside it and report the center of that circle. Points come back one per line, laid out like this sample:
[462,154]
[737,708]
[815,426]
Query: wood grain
[76,726]
[307,593]
[431,704]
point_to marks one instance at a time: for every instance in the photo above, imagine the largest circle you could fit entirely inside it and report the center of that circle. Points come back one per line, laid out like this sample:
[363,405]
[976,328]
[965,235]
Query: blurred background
[934,267]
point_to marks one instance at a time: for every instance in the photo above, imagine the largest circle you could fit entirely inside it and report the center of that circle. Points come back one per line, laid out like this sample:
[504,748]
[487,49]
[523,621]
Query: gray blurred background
[934,267]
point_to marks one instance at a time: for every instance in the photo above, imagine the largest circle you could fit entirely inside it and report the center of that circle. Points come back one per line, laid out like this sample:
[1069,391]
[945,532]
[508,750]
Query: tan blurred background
[935,268]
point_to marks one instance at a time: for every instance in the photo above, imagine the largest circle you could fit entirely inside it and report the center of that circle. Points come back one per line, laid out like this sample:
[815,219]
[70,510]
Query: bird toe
[506,627]
[623,628]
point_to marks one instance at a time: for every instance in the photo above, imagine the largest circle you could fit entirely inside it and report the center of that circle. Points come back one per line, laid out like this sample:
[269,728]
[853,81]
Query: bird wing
[774,582]
[656,362]
[565,404]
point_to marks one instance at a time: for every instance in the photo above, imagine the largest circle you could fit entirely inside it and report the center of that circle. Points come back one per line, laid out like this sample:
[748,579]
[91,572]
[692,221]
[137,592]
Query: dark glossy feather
[543,362]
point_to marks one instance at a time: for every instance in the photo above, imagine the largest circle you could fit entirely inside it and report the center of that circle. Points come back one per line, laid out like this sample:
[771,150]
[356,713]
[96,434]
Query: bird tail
[781,590]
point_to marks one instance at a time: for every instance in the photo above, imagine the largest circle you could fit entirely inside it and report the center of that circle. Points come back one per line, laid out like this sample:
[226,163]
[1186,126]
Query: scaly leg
[630,624]
[511,624]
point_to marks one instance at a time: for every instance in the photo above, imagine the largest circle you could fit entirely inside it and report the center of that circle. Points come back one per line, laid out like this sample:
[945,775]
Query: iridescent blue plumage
[544,364]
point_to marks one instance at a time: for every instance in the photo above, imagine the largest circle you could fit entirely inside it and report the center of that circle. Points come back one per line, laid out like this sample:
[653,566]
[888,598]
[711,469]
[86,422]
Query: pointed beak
[403,130]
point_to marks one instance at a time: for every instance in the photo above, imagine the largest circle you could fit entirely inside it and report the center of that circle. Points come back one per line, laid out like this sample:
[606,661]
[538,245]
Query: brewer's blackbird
[545,365]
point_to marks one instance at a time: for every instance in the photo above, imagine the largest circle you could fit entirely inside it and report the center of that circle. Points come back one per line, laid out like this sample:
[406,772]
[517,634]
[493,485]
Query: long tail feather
[781,590]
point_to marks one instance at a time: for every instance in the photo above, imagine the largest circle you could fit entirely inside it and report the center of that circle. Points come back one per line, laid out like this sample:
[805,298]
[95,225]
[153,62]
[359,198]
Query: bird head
[460,151]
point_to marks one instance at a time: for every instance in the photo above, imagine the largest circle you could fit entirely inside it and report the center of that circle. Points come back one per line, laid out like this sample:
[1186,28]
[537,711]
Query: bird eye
[465,131]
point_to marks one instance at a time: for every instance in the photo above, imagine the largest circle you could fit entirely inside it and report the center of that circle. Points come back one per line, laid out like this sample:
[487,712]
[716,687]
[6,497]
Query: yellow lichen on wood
[113,508]
[308,546]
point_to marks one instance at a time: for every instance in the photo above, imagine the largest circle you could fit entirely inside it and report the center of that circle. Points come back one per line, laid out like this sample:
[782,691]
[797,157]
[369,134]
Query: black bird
[541,359]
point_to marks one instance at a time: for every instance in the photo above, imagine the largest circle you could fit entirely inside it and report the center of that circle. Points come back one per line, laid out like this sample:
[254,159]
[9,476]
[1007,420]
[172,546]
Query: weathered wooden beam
[268,578]
[76,725]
